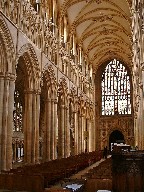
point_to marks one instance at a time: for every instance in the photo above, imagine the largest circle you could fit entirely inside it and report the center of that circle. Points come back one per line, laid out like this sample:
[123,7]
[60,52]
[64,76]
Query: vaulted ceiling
[103,27]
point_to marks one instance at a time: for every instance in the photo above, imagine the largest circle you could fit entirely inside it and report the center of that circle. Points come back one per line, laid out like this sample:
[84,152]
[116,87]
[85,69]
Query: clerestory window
[116,89]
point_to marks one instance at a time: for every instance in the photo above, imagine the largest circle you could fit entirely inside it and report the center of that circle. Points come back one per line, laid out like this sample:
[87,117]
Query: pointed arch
[28,54]
[116,89]
[8,48]
[63,91]
[49,79]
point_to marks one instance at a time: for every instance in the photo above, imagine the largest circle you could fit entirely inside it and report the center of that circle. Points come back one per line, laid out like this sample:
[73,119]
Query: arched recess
[116,137]
[117,117]
[7,78]
[63,120]
[27,87]
[48,114]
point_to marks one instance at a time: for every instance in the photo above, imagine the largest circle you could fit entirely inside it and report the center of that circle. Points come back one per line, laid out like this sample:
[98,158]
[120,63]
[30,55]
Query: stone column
[1,115]
[35,127]
[28,127]
[52,134]
[79,134]
[61,144]
[76,138]
[67,133]
[55,129]
[37,144]
[143,104]
[44,132]
[82,134]
[33,138]
[90,133]
[94,147]
[46,150]
[5,124]
[15,148]
[10,122]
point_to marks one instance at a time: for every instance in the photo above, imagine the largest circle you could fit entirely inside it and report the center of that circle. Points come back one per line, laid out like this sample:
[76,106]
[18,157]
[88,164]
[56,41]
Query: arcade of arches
[71,77]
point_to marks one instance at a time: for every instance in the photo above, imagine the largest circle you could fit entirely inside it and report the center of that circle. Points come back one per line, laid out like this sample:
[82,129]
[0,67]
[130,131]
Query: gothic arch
[31,64]
[73,97]
[117,129]
[8,46]
[116,136]
[48,76]
[63,91]
[104,60]
[48,113]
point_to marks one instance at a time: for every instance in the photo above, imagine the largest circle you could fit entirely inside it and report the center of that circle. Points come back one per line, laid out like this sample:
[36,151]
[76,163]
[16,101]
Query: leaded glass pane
[17,113]
[115,89]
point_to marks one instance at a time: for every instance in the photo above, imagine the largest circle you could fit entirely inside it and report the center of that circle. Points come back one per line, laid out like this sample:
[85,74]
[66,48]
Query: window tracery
[17,113]
[116,89]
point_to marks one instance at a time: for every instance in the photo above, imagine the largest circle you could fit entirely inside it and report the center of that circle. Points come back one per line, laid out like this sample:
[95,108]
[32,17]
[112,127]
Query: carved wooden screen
[116,88]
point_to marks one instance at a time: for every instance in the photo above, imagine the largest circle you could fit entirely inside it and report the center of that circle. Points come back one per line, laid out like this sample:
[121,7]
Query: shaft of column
[35,129]
[61,144]
[1,114]
[44,152]
[5,123]
[90,133]
[94,135]
[67,133]
[76,133]
[52,131]
[55,129]
[83,130]
[48,128]
[37,126]
[33,135]
[79,134]
[28,127]
[15,151]
[25,127]
[10,123]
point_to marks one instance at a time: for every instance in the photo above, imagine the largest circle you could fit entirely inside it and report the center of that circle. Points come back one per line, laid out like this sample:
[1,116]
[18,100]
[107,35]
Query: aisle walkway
[79,175]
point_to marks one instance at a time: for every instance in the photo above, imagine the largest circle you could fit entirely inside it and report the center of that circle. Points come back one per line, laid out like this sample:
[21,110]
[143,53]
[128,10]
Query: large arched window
[116,89]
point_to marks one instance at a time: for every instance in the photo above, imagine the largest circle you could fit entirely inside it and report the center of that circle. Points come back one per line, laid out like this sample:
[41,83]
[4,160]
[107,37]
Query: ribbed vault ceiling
[103,28]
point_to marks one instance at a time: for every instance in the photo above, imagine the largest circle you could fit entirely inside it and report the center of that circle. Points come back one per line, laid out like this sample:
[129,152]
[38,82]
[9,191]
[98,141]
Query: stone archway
[27,85]
[7,84]
[116,137]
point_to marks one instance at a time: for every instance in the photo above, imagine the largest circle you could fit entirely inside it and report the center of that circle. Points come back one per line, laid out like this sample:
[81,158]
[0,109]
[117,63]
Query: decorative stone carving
[8,44]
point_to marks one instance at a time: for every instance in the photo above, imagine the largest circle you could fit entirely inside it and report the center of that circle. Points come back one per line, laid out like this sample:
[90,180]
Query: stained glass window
[17,113]
[116,89]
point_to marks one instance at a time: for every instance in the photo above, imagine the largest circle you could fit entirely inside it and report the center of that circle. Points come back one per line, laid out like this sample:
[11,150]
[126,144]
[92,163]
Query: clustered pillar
[46,151]
[31,126]
[6,119]
[50,126]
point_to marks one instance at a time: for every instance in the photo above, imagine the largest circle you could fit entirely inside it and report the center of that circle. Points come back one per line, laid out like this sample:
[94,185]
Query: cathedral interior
[71,78]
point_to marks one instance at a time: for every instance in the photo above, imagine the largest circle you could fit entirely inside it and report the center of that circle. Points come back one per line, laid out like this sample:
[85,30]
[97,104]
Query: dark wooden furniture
[128,171]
